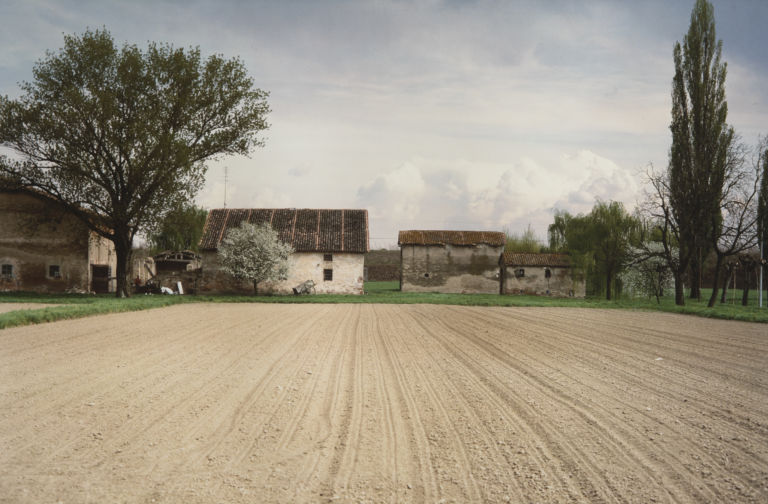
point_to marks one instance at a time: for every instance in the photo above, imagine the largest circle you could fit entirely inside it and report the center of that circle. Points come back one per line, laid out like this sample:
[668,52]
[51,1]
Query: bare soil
[384,403]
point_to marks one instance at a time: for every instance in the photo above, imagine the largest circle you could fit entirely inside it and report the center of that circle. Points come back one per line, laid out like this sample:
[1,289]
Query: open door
[100,278]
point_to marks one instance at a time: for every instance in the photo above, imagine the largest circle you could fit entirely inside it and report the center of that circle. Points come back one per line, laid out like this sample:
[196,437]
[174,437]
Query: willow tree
[120,136]
[701,139]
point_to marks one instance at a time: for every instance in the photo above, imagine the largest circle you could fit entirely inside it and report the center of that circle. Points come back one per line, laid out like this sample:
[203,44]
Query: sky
[433,114]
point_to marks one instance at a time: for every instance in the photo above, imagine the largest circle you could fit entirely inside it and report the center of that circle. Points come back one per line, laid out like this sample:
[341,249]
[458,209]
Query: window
[547,273]
[327,257]
[7,271]
[328,275]
[520,272]
[54,271]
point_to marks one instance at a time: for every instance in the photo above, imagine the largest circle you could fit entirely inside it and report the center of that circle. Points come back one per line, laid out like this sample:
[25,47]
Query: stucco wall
[456,269]
[102,252]
[34,236]
[347,275]
[535,282]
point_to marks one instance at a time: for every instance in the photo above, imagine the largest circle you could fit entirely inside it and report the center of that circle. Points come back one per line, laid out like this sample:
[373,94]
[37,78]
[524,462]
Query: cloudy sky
[433,114]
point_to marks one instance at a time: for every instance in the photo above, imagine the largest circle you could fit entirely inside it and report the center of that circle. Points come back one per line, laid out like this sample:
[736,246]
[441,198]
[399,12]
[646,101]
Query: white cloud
[438,194]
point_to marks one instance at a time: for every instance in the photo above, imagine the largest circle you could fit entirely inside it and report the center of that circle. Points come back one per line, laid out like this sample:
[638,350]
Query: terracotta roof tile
[306,230]
[465,238]
[528,259]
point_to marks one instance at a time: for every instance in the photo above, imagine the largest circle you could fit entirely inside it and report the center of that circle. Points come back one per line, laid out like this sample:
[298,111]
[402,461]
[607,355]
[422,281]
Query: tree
[254,253]
[599,241]
[762,206]
[181,229]
[700,140]
[524,242]
[737,217]
[647,273]
[121,136]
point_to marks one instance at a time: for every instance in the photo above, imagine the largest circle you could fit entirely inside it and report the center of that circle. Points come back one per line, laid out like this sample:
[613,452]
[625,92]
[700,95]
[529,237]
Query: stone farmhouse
[539,274]
[330,247]
[450,261]
[44,248]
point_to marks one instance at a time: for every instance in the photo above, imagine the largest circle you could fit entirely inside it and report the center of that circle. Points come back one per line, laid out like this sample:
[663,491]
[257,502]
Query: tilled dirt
[384,403]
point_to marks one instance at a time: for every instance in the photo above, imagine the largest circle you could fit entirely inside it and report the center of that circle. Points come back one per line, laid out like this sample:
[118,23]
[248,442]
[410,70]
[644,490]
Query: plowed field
[383,403]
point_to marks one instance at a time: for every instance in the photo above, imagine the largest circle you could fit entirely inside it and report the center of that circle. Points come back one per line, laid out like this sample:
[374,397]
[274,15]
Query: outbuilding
[539,274]
[44,248]
[329,248]
[450,261]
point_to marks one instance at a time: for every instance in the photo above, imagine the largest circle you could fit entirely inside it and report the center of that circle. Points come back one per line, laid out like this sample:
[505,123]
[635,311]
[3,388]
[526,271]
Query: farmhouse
[539,274]
[44,248]
[330,247]
[450,261]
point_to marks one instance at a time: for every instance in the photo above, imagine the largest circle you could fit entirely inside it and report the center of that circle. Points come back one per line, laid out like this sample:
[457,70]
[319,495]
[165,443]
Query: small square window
[328,275]
[7,270]
[327,257]
[54,271]
[520,272]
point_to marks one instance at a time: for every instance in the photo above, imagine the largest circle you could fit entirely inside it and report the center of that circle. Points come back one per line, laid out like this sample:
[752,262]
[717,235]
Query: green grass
[76,306]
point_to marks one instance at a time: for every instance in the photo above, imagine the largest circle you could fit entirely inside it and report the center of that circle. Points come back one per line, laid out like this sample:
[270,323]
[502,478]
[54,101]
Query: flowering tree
[647,272]
[254,253]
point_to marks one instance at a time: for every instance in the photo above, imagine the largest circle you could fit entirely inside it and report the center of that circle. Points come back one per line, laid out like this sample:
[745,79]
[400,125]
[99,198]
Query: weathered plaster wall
[456,269]
[535,282]
[102,252]
[35,235]
[347,275]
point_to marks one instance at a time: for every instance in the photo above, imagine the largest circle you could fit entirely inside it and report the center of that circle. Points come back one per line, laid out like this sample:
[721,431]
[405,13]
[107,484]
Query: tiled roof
[492,238]
[306,230]
[527,259]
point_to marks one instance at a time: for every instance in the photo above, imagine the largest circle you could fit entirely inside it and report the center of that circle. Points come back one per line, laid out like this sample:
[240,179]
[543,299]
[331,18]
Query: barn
[329,245]
[44,248]
[539,274]
[450,261]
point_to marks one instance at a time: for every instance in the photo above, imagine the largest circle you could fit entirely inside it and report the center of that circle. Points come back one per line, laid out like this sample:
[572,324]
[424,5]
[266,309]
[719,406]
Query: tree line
[711,201]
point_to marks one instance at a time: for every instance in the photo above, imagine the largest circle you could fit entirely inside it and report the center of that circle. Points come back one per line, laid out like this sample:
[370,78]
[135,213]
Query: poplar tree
[701,139]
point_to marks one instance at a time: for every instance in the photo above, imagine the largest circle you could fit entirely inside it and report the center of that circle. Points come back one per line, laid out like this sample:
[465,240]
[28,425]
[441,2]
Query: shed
[539,274]
[450,261]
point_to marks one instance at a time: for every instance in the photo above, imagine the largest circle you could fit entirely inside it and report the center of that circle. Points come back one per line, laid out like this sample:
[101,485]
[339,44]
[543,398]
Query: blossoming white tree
[255,253]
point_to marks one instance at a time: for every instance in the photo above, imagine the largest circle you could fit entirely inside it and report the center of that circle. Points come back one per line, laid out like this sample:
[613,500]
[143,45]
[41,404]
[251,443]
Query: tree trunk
[609,280]
[679,293]
[255,288]
[123,252]
[745,292]
[695,276]
[726,281]
[716,277]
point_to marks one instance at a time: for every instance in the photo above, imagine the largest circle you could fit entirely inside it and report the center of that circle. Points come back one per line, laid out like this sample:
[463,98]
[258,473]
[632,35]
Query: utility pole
[226,176]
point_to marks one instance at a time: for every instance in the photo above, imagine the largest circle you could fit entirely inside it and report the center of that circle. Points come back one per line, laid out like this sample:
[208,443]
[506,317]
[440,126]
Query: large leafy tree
[181,229]
[701,140]
[254,253]
[120,136]
[599,241]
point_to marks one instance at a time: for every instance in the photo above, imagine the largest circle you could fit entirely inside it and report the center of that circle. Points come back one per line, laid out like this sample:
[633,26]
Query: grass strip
[78,305]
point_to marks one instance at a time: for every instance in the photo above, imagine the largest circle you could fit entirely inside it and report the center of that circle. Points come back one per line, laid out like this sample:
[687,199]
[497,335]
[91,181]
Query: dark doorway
[99,279]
